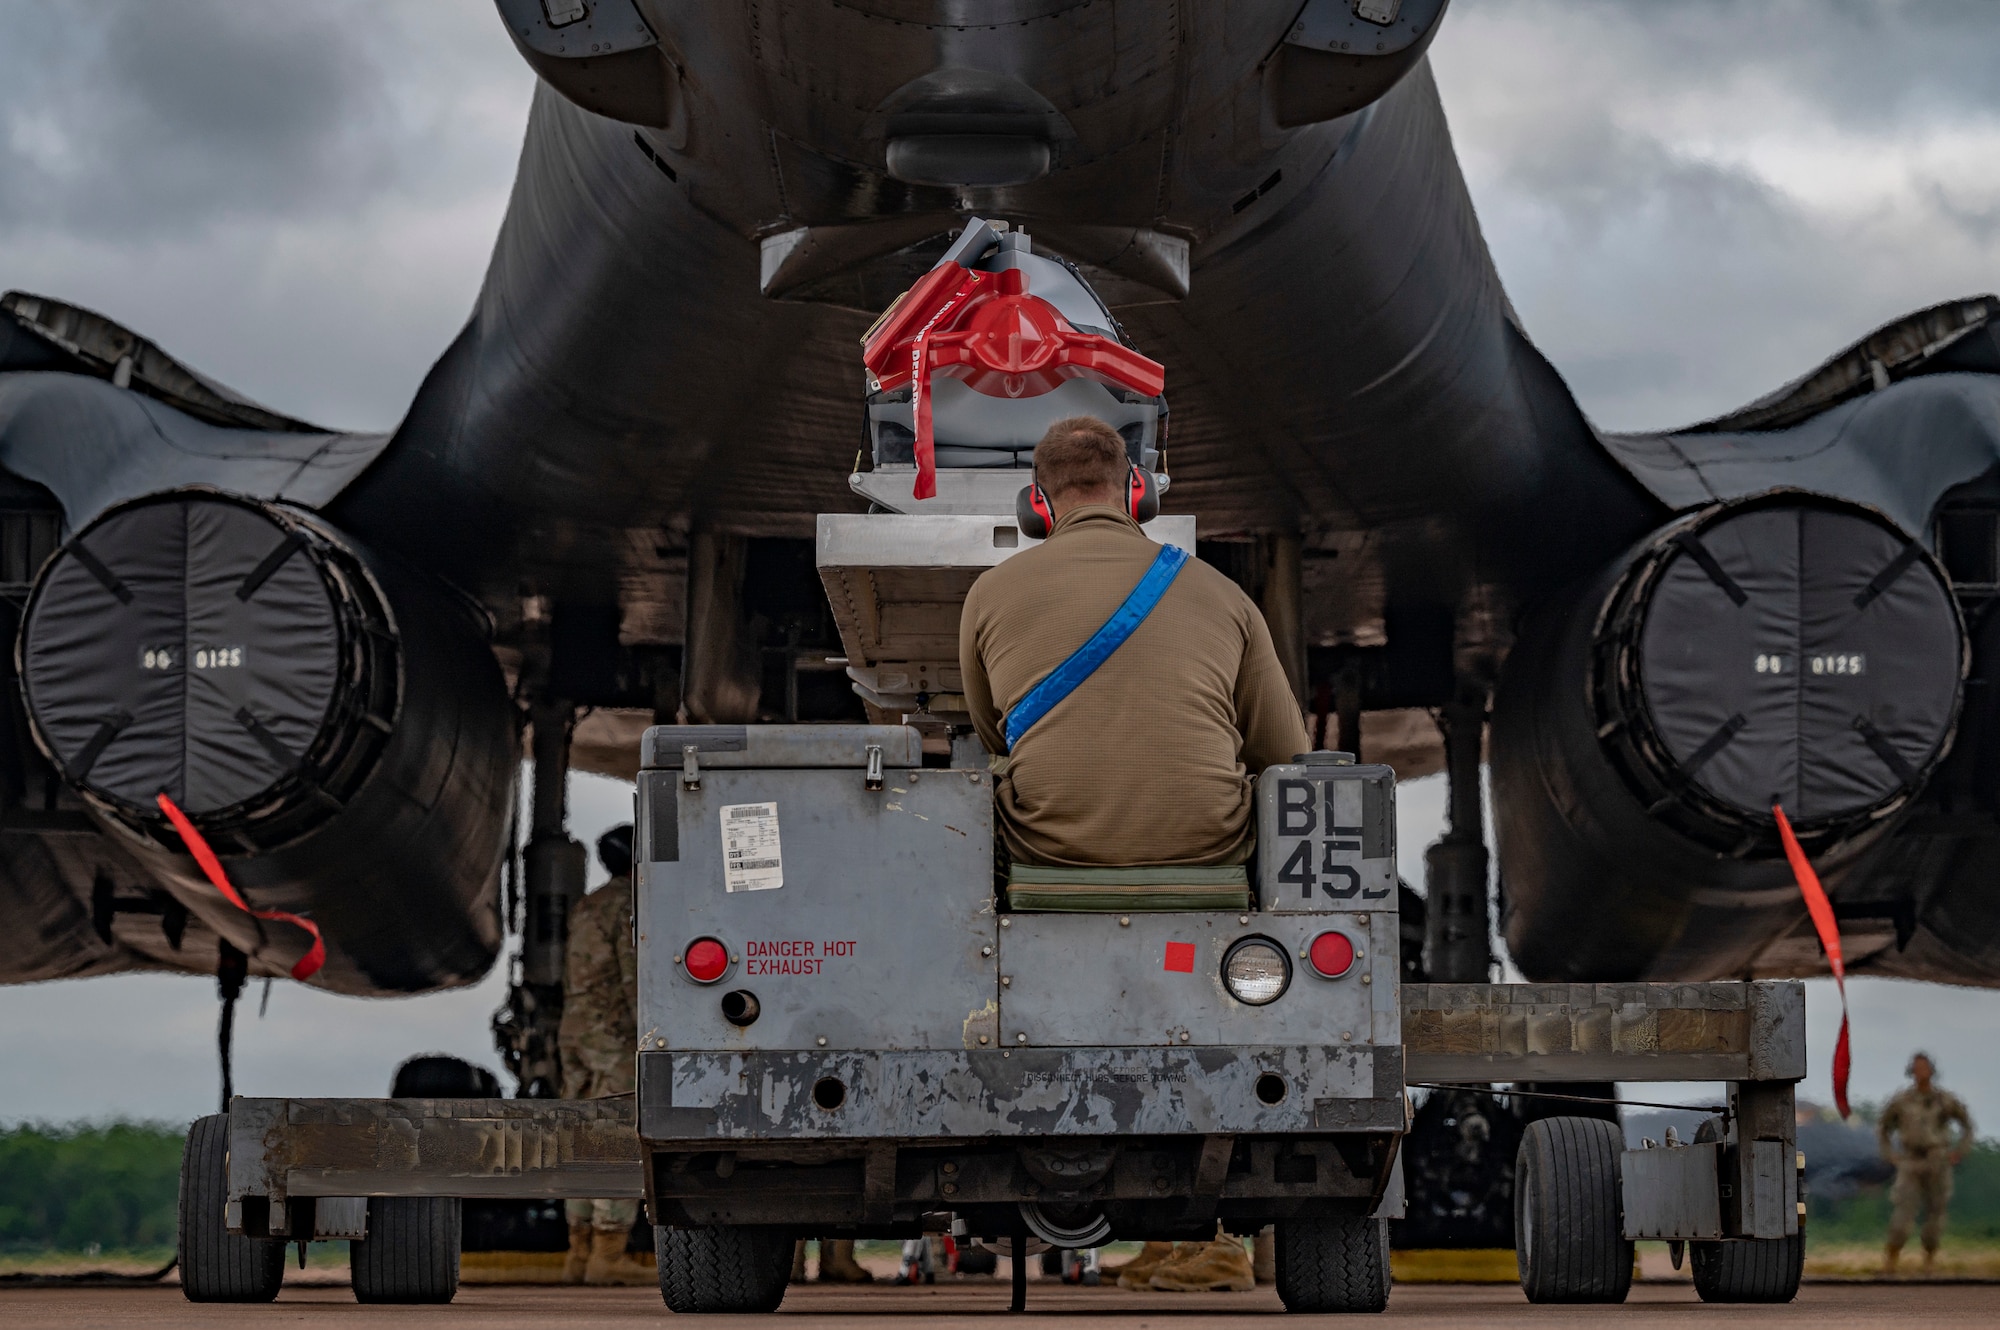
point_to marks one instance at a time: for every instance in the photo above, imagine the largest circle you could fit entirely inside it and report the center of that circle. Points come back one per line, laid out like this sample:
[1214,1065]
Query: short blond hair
[1080,453]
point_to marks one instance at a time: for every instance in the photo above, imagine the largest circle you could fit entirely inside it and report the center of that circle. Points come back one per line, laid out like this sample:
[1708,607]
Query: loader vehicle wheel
[1755,1270]
[411,1252]
[1568,1217]
[216,1265]
[732,1268]
[1333,1265]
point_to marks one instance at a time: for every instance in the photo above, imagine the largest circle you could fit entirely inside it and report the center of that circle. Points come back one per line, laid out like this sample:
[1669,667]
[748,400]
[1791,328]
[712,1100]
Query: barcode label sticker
[751,857]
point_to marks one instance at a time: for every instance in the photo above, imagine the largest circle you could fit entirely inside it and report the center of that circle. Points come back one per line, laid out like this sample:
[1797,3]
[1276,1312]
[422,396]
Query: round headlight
[1256,970]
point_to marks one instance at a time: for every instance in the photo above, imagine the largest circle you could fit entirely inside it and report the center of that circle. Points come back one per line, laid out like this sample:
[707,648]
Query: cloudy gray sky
[298,199]
[1694,202]
[1690,203]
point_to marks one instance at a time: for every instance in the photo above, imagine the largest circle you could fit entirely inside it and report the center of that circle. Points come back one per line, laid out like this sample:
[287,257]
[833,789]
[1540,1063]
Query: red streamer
[1821,910]
[315,957]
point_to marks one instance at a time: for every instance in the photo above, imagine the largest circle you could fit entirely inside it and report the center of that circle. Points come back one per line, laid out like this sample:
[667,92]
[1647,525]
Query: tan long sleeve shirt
[1150,760]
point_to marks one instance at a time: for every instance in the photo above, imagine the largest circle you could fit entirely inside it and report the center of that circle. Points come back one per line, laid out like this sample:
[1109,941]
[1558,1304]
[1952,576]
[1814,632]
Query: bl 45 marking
[1314,862]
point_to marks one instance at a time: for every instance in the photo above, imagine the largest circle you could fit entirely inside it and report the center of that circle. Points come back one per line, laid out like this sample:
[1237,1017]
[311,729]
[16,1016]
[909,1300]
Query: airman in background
[597,1039]
[1915,1134]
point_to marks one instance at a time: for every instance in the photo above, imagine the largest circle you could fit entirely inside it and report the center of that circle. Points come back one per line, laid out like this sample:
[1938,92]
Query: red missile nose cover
[985,329]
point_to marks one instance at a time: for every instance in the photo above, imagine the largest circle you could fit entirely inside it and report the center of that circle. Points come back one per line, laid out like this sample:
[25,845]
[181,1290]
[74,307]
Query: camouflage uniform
[600,1020]
[1922,1118]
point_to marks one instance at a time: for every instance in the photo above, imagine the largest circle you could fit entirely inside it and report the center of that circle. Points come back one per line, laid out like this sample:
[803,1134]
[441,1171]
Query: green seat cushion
[1033,887]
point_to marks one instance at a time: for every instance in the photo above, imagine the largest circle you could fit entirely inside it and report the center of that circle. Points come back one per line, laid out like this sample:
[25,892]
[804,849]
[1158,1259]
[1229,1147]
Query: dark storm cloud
[144,117]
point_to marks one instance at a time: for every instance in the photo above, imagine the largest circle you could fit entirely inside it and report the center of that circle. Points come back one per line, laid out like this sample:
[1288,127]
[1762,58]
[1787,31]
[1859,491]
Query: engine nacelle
[1783,650]
[332,723]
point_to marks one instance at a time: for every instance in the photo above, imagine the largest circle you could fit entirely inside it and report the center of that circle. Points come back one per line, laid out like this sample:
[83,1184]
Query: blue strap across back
[1063,680]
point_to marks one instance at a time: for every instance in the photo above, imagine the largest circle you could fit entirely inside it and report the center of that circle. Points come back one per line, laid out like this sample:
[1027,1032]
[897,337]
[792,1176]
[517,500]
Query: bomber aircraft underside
[329,652]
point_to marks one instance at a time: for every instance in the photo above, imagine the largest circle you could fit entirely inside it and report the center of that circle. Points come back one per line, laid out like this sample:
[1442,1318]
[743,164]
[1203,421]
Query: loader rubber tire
[1755,1270]
[1568,1217]
[216,1265]
[1333,1265]
[731,1268]
[411,1252]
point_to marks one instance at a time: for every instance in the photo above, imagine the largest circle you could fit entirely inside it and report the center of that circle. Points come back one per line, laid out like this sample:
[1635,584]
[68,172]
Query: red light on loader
[1331,954]
[706,960]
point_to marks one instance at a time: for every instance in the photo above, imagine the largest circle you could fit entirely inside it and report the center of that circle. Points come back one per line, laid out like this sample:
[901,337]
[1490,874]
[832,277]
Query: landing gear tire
[216,1265]
[411,1252]
[726,1269]
[1333,1265]
[1757,1270]
[1568,1230]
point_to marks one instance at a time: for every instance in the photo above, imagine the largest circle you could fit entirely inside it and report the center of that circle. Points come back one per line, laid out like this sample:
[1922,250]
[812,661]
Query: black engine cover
[1784,650]
[333,724]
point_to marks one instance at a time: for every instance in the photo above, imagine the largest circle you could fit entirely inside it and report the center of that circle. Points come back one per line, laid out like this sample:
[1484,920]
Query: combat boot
[579,1254]
[1221,1266]
[611,1264]
[1136,1272]
[837,1264]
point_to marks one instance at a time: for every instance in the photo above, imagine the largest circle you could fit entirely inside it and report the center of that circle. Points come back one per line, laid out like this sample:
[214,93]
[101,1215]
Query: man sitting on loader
[1149,761]
[1133,694]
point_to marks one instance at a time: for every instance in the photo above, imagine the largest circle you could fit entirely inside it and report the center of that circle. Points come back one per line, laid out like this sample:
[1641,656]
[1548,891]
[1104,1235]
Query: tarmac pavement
[984,1303]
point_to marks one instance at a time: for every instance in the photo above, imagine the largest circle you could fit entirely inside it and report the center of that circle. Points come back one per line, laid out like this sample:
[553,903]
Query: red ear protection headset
[1036,516]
